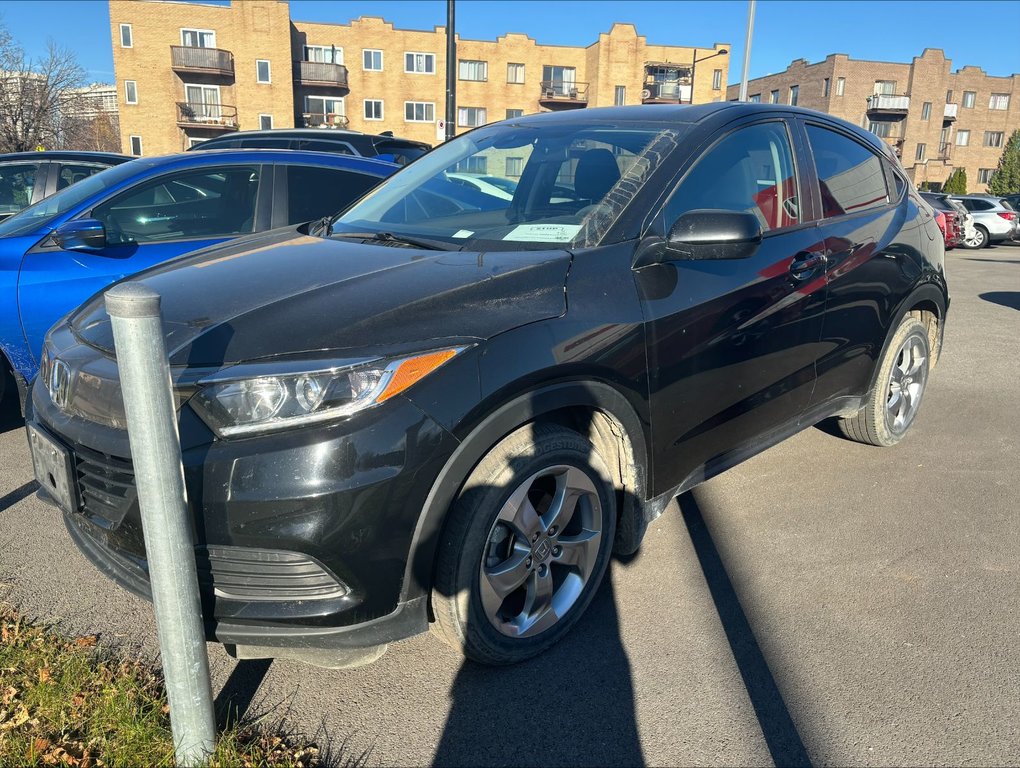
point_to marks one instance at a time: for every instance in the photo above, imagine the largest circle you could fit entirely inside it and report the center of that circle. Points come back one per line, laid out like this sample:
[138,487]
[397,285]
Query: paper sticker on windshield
[463,233]
[544,233]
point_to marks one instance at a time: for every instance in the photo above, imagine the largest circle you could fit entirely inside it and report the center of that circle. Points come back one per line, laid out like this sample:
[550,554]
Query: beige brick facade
[937,107]
[301,94]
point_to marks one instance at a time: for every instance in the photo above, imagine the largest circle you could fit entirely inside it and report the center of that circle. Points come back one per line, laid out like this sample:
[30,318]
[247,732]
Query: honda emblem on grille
[60,383]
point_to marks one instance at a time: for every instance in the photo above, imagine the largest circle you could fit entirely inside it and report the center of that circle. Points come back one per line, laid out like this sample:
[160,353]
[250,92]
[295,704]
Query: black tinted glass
[849,174]
[316,192]
[322,145]
[72,174]
[17,182]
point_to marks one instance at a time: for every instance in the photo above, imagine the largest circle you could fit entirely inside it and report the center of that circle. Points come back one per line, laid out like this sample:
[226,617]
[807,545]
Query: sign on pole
[440,130]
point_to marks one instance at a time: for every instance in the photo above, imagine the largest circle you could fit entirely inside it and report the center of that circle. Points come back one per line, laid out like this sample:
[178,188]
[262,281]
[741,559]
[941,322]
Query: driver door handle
[806,263]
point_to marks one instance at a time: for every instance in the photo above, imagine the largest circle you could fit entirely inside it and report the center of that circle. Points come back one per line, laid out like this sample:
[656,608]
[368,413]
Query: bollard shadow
[1009,299]
[777,726]
[234,701]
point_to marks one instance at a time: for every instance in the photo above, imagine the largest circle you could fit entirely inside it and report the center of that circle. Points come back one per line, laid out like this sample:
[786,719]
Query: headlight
[249,399]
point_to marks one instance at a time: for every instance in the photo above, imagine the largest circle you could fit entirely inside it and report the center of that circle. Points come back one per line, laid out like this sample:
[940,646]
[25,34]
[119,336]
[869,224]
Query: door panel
[732,343]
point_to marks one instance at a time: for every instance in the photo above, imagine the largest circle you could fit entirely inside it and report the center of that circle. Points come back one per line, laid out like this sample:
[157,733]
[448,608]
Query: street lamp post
[694,64]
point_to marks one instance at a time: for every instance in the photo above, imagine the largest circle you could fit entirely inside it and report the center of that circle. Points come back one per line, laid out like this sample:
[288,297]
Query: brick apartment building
[936,120]
[186,72]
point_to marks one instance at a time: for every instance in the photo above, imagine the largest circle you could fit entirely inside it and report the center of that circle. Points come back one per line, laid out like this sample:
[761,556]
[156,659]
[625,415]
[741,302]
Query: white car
[480,183]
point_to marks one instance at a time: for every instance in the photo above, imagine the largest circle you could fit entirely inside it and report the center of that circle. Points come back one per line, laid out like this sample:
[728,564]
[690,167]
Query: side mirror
[714,234]
[81,235]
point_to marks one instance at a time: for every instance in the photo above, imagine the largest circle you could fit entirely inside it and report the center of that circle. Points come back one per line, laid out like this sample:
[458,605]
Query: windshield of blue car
[40,214]
[517,186]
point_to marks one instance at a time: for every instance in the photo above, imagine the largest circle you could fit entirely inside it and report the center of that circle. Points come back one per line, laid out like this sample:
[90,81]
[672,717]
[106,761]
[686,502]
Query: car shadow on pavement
[10,411]
[1009,299]
[12,498]
[777,726]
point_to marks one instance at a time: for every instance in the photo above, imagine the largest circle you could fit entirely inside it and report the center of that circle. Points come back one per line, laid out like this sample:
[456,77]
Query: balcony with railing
[666,92]
[563,94]
[888,105]
[949,114]
[217,117]
[209,61]
[327,120]
[945,151]
[321,74]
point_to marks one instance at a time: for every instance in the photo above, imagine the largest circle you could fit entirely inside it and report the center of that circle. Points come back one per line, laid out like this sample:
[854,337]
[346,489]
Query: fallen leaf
[44,674]
[85,641]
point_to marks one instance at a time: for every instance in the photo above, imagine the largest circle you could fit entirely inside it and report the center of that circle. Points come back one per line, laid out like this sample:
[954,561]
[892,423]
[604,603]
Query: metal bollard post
[144,368]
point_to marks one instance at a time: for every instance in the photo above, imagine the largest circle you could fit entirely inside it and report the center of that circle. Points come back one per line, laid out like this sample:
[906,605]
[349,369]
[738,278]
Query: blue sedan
[57,253]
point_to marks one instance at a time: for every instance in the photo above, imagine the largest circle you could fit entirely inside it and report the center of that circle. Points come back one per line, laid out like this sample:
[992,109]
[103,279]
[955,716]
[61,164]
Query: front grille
[106,484]
[243,573]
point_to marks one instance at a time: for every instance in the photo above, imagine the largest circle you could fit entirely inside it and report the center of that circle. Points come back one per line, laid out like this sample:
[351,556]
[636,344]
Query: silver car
[994,220]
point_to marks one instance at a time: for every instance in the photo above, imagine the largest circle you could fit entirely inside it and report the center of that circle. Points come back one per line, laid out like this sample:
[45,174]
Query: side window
[210,202]
[316,192]
[17,182]
[850,176]
[322,145]
[750,170]
[72,174]
[264,142]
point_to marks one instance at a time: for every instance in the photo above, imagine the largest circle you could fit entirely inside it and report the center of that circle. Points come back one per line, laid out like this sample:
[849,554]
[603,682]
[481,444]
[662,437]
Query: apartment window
[265,122]
[919,154]
[993,138]
[716,79]
[825,87]
[324,54]
[985,175]
[998,101]
[470,116]
[514,166]
[754,98]
[885,88]
[198,38]
[473,70]
[562,81]
[620,95]
[515,73]
[926,110]
[324,110]
[262,74]
[475,164]
[794,92]
[125,36]
[371,60]
[130,92]
[969,97]
[512,113]
[881,128]
[419,111]
[420,63]
[136,146]
[373,109]
[962,138]
[949,97]
[193,142]
[774,97]
[840,86]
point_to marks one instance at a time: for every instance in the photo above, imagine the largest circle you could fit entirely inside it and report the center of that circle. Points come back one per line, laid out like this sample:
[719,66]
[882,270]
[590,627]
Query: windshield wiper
[322,228]
[389,237]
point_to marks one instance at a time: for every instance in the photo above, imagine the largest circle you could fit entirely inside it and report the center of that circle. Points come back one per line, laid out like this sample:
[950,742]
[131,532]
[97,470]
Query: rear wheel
[899,386]
[978,240]
[525,547]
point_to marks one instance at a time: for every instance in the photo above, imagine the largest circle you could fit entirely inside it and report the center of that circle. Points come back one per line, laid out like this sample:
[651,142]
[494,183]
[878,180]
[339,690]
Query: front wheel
[525,547]
[899,386]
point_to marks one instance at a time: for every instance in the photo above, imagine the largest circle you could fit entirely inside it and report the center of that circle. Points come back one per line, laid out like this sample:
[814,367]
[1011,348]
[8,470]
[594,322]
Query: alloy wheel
[906,384]
[541,551]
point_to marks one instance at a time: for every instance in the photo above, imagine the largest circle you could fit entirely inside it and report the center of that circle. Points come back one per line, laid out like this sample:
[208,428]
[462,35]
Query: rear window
[313,193]
[323,145]
[850,176]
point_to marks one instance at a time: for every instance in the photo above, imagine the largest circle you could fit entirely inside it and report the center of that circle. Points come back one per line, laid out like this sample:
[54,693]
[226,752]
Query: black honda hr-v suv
[448,407]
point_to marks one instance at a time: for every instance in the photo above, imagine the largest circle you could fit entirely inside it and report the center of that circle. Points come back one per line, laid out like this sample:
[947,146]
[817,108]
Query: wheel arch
[594,408]
[930,304]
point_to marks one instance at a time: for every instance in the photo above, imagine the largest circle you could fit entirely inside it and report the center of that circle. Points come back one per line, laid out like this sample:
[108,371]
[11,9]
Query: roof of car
[328,134]
[60,154]
[283,156]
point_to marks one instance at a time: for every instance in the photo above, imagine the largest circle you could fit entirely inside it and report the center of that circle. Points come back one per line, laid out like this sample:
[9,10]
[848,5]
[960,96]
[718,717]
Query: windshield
[44,211]
[517,186]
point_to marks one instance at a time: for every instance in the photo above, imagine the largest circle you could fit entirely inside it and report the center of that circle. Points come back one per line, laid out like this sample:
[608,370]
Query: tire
[980,239]
[558,570]
[896,395]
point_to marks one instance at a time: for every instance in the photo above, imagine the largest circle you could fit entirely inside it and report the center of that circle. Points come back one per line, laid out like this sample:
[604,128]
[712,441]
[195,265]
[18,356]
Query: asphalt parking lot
[824,603]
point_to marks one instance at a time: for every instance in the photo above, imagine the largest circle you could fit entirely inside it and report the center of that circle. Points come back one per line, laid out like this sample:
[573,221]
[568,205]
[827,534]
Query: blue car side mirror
[81,235]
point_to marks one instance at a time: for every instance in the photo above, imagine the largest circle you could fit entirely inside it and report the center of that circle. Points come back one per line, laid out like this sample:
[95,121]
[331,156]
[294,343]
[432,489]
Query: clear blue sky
[890,30]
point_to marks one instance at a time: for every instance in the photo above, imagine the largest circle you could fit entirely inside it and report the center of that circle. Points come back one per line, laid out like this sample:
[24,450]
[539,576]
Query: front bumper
[302,537]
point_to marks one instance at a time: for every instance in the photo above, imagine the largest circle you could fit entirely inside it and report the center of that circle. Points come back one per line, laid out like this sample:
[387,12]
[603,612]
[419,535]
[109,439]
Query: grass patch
[69,702]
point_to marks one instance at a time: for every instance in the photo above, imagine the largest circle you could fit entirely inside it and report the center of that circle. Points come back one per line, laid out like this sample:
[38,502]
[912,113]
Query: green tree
[1006,178]
[956,184]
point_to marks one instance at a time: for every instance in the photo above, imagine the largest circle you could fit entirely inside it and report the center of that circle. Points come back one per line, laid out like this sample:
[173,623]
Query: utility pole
[451,71]
[747,50]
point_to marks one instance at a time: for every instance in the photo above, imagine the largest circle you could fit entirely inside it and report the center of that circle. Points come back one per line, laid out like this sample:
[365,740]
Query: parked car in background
[57,253]
[28,177]
[448,406]
[956,227]
[383,146]
[482,184]
[1014,201]
[994,221]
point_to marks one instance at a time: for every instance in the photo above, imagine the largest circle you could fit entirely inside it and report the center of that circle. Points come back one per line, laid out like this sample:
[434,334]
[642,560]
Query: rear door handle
[806,263]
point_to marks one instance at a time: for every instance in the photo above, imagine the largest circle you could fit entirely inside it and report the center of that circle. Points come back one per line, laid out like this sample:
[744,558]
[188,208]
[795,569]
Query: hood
[283,293]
